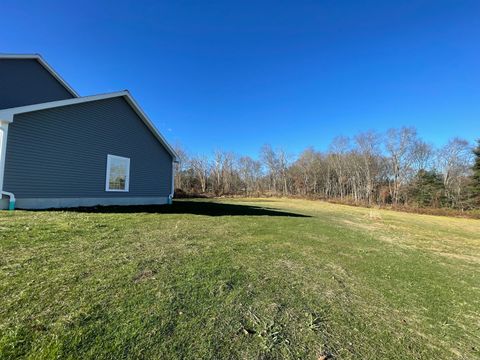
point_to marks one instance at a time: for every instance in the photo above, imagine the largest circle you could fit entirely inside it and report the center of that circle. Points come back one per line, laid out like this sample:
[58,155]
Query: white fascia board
[8,114]
[45,65]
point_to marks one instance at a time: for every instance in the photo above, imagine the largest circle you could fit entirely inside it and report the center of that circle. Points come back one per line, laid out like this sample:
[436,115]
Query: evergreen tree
[475,180]
[427,189]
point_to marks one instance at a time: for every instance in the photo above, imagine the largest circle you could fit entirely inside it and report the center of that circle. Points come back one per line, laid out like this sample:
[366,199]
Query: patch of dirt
[144,275]
[325,356]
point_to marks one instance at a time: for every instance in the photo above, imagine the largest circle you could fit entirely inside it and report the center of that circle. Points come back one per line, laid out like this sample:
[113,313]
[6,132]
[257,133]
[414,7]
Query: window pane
[118,173]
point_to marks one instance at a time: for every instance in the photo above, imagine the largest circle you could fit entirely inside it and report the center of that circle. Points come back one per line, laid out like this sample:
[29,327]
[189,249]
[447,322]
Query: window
[118,173]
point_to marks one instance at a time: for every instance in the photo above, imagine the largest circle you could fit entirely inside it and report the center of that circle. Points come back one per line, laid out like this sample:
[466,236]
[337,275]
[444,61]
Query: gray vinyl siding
[62,152]
[26,82]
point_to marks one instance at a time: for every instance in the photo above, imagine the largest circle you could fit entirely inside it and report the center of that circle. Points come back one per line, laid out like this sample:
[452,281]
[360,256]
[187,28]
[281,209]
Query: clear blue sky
[236,75]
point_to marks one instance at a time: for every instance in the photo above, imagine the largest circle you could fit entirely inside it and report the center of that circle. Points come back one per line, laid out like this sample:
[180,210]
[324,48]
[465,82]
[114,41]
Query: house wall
[26,82]
[61,154]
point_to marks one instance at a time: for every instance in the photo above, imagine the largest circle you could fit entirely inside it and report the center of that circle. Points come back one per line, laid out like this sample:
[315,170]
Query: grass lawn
[247,279]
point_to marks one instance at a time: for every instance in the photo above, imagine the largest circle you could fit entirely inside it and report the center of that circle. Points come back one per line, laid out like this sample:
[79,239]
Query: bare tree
[229,172]
[338,150]
[269,158]
[181,169]
[391,168]
[250,174]
[306,168]
[453,160]
[368,145]
[400,145]
[283,164]
[217,172]
[422,155]
[200,167]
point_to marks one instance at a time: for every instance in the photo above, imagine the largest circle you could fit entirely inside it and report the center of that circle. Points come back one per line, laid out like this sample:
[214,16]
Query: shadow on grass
[187,207]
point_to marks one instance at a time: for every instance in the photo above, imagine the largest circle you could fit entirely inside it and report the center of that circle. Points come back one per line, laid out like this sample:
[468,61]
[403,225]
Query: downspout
[172,189]
[11,203]
[3,149]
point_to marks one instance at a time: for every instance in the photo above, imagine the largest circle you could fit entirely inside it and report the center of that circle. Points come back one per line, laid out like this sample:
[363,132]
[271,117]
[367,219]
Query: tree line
[396,167]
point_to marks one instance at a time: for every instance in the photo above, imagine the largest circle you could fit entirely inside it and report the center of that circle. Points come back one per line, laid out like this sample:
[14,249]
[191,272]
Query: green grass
[246,279]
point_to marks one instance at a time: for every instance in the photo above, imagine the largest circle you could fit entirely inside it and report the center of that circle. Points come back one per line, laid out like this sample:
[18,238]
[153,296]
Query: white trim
[3,151]
[8,114]
[47,67]
[49,203]
[107,177]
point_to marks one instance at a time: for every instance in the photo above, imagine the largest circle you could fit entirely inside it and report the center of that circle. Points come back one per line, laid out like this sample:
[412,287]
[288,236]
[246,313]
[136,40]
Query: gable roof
[45,65]
[8,114]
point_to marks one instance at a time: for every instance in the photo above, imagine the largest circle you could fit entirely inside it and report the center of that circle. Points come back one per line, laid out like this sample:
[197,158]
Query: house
[60,149]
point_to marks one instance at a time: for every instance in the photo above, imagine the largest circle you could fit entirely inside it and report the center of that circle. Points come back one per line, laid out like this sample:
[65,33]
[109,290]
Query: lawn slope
[246,279]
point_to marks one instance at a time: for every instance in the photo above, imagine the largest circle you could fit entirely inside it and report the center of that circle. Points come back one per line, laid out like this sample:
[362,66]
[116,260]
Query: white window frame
[107,177]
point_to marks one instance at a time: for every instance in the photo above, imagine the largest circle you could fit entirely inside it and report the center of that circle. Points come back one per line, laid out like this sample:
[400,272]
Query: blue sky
[236,75]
